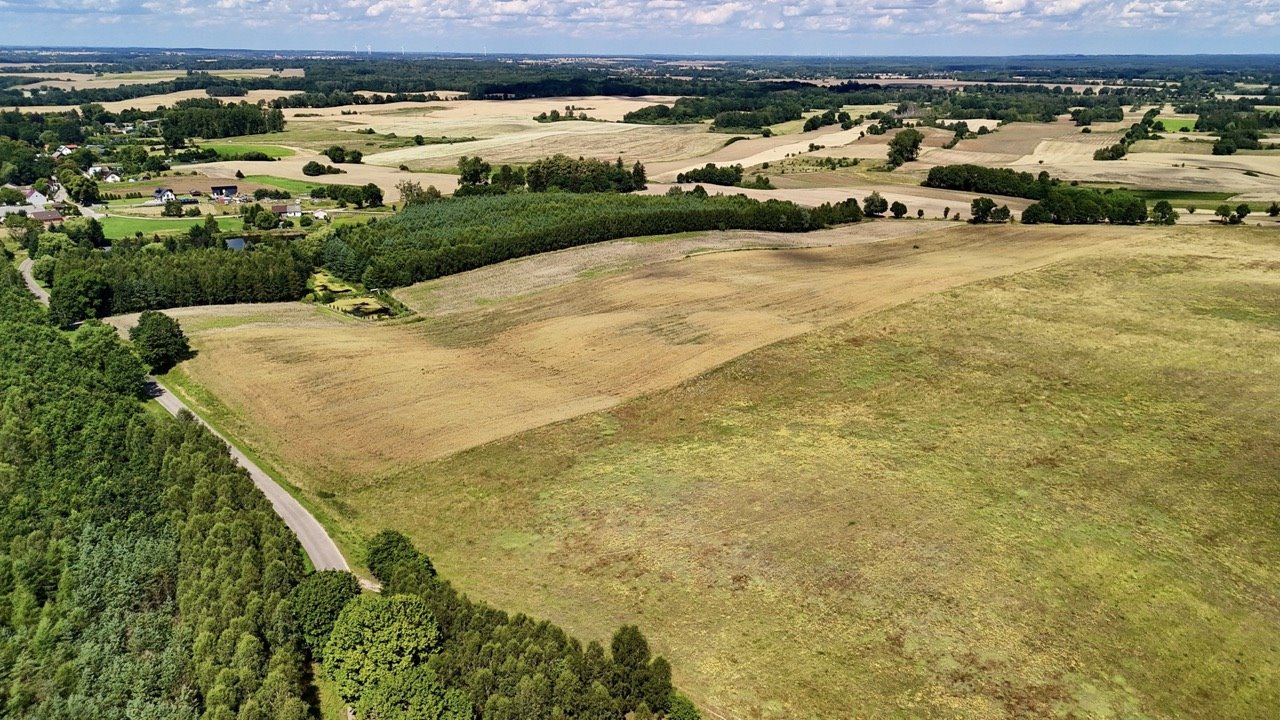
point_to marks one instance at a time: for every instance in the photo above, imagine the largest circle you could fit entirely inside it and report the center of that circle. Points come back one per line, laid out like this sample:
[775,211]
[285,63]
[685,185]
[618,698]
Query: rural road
[320,548]
[25,268]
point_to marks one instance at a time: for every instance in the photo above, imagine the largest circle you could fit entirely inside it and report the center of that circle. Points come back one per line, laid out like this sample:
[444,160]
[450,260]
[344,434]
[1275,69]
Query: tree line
[452,235]
[557,173]
[95,284]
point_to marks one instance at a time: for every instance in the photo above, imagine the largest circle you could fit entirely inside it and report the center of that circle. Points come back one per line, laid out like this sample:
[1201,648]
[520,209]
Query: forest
[141,573]
[95,284]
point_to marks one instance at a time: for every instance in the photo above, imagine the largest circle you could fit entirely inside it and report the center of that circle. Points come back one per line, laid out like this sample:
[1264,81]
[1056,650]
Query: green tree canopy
[874,205]
[317,602]
[905,147]
[375,637]
[159,341]
[413,694]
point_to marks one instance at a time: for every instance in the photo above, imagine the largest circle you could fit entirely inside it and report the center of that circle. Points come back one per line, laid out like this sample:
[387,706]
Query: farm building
[224,191]
[47,217]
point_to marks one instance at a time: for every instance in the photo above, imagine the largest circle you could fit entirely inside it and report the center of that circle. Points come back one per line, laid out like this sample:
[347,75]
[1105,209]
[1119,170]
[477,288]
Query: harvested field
[522,144]
[291,168]
[756,150]
[151,102]
[91,81]
[1018,139]
[453,382]
[1044,493]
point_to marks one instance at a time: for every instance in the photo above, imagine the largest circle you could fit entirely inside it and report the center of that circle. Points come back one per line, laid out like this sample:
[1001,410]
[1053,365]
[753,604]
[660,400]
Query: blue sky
[783,27]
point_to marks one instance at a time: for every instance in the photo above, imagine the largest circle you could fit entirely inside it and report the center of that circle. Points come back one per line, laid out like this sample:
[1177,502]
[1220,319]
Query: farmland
[857,485]
[819,447]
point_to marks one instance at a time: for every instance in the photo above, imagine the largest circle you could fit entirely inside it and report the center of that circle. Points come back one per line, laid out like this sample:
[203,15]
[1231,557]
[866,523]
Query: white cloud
[664,26]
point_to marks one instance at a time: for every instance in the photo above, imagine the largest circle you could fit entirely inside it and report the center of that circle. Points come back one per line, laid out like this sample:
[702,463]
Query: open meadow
[918,470]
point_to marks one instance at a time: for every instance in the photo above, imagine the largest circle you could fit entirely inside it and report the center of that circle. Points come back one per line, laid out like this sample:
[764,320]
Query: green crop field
[117,226]
[1172,124]
[234,150]
[297,187]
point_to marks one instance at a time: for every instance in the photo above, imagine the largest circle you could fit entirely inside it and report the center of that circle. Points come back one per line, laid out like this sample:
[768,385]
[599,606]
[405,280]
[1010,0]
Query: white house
[34,197]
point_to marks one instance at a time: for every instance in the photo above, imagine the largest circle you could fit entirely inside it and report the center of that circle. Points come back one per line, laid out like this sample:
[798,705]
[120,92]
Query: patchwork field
[93,81]
[986,473]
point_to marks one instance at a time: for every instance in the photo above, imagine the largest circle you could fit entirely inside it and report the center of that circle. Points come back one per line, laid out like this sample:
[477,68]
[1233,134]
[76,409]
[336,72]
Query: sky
[678,27]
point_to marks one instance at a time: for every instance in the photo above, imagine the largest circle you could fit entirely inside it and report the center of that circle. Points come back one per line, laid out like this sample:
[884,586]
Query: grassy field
[117,226]
[297,187]
[234,150]
[1047,494]
[1176,124]
[321,134]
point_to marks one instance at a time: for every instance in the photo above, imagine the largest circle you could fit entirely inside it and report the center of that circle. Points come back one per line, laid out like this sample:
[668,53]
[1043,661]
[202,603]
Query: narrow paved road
[311,534]
[25,268]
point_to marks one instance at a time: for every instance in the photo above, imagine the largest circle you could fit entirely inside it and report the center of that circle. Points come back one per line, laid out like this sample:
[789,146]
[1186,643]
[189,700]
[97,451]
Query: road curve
[25,268]
[320,548]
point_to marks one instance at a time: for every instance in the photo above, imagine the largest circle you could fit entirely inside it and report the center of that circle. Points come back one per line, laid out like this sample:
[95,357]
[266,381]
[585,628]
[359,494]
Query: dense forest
[94,284]
[452,235]
[141,573]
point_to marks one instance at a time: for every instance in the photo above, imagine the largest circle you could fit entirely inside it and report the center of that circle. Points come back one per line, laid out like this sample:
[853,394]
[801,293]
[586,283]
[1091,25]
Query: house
[65,150]
[34,197]
[164,195]
[293,210]
[224,191]
[103,173]
[47,217]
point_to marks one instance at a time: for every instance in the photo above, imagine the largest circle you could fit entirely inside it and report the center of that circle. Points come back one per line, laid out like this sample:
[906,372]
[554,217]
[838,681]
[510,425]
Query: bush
[387,550]
[315,169]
